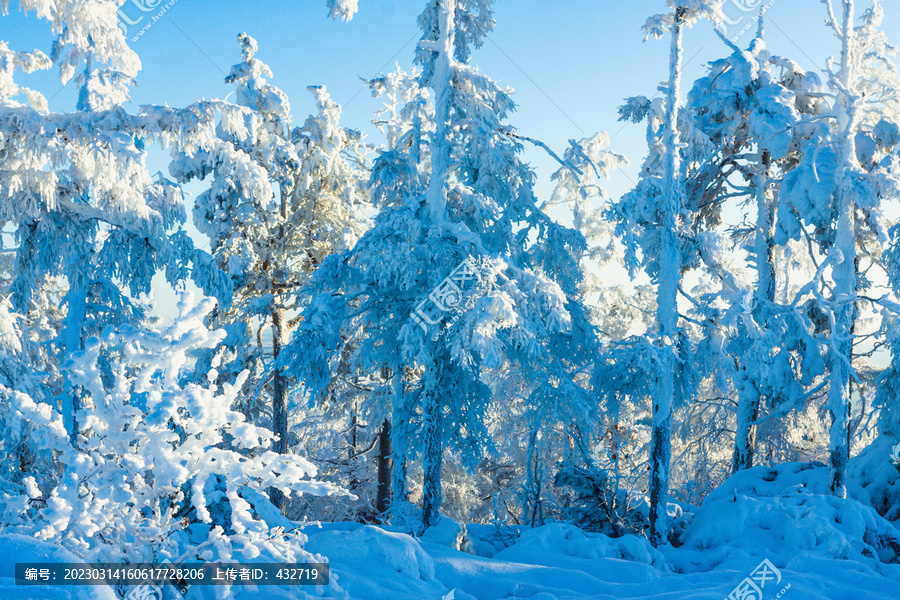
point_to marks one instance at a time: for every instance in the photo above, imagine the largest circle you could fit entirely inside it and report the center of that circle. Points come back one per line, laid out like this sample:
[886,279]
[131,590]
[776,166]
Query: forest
[394,355]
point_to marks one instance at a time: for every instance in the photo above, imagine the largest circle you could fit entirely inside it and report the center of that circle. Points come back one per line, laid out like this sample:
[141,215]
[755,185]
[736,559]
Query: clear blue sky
[571,62]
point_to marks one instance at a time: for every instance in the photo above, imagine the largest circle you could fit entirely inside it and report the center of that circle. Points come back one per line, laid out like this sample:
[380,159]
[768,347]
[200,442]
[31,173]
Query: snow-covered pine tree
[651,217]
[76,188]
[270,239]
[457,214]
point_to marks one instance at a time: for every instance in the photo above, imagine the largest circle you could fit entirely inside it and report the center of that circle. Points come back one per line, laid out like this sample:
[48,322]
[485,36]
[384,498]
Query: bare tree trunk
[385,466]
[279,400]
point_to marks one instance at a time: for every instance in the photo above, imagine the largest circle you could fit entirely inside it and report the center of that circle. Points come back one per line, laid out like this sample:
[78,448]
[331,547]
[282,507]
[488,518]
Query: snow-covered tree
[75,186]
[454,232]
[270,238]
[848,170]
[652,217]
[749,106]
[165,462]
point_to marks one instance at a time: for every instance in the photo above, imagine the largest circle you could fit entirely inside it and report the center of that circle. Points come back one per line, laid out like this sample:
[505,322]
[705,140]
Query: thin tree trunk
[749,397]
[399,487]
[432,442]
[385,466]
[353,451]
[531,493]
[852,424]
[669,262]
[844,274]
[279,400]
[74,339]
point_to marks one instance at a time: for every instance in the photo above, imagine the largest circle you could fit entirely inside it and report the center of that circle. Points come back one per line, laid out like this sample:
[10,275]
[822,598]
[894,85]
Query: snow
[784,515]
[369,562]
[124,439]
[559,562]
[23,549]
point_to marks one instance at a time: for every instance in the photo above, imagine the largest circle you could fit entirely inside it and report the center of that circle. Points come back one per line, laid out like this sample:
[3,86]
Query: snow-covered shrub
[594,504]
[392,552]
[878,475]
[163,468]
[556,544]
[448,533]
[786,510]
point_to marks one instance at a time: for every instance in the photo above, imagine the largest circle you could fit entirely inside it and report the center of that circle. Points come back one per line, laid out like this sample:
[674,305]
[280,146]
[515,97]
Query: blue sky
[570,62]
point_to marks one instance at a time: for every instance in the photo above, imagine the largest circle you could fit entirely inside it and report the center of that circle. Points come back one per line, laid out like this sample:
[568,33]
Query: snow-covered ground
[555,562]
[817,547]
[559,562]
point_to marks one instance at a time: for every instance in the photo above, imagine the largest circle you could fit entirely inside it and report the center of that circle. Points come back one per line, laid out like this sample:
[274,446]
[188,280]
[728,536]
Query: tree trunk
[531,497]
[385,466]
[353,452]
[844,272]
[74,339]
[745,434]
[441,82]
[749,397]
[432,444]
[398,438]
[669,261]
[279,400]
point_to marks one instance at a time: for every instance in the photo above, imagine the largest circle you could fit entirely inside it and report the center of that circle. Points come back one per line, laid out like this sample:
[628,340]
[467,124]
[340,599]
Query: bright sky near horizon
[570,62]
